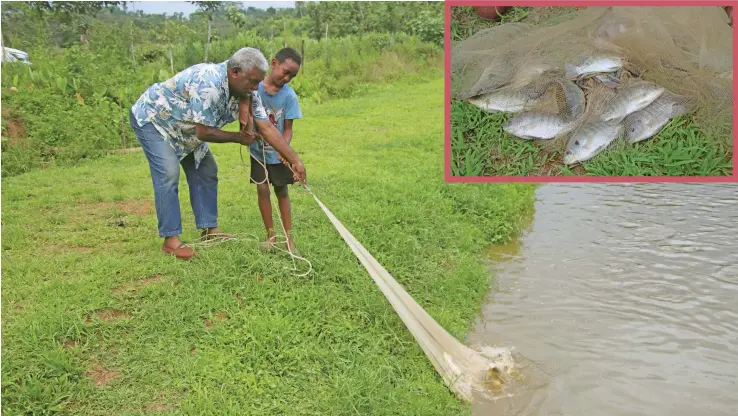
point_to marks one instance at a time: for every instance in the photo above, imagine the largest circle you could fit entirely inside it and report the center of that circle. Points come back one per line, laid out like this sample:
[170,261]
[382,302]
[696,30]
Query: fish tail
[570,70]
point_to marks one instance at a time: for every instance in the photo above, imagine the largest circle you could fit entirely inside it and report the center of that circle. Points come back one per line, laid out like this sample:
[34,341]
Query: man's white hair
[247,58]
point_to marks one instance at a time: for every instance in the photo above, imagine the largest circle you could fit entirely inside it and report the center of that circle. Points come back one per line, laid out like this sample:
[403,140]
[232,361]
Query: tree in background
[76,13]
[209,8]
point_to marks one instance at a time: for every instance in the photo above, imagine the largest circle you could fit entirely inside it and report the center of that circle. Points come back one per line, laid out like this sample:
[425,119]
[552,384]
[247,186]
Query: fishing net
[686,50]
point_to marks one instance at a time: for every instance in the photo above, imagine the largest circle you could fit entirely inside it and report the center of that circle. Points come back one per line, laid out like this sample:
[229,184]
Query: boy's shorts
[279,174]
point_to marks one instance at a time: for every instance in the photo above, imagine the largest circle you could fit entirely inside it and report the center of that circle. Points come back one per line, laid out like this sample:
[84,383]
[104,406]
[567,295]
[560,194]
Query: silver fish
[533,125]
[574,98]
[592,65]
[631,99]
[590,140]
[509,101]
[644,124]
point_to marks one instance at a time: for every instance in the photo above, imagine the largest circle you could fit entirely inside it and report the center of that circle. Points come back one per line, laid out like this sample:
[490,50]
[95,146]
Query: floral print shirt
[199,94]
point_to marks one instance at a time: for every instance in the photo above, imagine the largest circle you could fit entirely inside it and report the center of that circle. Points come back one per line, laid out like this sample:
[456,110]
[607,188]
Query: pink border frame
[552,179]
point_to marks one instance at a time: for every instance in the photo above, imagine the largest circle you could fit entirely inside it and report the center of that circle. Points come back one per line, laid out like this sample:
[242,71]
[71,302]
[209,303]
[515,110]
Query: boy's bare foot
[270,243]
[291,246]
[212,233]
[175,247]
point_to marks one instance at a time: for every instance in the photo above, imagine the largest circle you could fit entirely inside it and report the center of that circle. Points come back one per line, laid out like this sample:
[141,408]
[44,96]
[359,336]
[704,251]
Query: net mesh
[686,50]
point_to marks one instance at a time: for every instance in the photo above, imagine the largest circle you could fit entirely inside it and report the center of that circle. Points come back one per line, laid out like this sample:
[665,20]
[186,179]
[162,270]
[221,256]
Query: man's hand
[245,138]
[213,135]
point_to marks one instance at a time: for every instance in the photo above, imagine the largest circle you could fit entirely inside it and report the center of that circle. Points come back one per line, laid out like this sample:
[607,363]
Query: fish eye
[576,142]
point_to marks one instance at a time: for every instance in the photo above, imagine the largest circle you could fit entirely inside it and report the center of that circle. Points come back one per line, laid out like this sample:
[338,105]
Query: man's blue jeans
[164,166]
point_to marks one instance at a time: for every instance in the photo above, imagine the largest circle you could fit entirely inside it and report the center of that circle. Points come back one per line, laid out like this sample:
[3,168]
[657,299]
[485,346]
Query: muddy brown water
[619,299]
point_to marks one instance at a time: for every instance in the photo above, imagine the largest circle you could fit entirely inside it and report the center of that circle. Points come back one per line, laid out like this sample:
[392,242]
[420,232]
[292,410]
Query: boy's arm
[287,137]
[292,111]
[287,131]
[272,136]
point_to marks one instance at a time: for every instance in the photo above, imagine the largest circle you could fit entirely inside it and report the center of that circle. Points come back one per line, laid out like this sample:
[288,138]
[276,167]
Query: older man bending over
[175,120]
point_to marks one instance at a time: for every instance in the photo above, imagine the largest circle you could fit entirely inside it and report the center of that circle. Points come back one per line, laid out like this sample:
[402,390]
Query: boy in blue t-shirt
[282,107]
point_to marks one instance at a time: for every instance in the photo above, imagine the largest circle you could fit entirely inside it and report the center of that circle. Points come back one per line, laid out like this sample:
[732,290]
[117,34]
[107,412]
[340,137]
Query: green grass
[88,296]
[479,147]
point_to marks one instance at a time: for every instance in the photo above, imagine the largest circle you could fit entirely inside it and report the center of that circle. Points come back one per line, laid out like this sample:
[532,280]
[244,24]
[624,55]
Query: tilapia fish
[573,97]
[592,65]
[644,124]
[590,140]
[631,99]
[533,125]
[508,101]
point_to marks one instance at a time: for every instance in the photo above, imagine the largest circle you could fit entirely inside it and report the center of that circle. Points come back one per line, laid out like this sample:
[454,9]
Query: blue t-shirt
[279,107]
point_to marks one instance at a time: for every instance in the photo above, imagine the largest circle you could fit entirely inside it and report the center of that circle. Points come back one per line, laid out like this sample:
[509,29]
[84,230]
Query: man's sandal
[183,252]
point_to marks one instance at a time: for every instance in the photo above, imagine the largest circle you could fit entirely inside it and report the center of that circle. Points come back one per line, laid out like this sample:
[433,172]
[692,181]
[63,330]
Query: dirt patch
[138,207]
[70,344]
[137,285]
[15,129]
[218,318]
[108,315]
[101,376]
[67,248]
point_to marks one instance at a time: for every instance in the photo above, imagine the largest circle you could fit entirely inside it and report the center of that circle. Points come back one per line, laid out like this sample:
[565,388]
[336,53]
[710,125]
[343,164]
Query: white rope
[212,240]
[275,207]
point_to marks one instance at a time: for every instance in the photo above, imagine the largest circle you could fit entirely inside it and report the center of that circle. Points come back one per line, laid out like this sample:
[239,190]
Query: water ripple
[627,295]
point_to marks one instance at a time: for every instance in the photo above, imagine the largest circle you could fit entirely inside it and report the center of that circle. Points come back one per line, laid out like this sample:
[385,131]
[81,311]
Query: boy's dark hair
[288,53]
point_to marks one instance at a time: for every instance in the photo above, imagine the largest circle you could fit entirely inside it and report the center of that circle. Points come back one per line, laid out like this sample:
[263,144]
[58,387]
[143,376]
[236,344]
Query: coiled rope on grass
[214,240]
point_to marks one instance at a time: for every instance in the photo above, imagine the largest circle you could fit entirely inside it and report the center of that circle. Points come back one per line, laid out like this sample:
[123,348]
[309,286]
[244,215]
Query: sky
[171,7]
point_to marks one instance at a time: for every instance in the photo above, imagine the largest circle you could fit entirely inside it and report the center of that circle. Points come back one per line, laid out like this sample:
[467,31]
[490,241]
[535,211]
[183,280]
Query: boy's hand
[298,173]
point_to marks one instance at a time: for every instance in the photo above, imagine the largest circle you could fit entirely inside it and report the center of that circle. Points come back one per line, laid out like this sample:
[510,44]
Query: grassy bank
[480,147]
[96,321]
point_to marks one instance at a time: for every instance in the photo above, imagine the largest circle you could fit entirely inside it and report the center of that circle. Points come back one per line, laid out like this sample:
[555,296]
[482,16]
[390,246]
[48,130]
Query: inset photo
[542,92]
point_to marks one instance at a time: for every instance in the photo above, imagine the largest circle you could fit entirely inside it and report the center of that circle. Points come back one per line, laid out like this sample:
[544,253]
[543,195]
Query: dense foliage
[91,61]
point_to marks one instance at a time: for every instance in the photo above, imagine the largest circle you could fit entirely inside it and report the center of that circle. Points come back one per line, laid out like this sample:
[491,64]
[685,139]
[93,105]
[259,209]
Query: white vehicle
[15,55]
